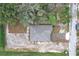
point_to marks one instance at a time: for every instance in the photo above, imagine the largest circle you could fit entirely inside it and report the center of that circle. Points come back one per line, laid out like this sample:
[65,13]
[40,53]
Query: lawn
[4,52]
[9,53]
[77,51]
[2,36]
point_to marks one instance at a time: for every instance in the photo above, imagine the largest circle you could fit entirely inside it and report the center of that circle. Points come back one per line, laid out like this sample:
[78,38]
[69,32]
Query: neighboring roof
[59,37]
[40,32]
[18,28]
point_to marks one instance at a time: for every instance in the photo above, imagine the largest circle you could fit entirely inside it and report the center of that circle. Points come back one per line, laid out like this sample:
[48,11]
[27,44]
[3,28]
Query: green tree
[33,13]
[8,13]
[64,14]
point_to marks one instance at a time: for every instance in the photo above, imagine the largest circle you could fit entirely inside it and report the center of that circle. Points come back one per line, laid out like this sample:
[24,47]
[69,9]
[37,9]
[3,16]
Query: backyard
[43,31]
[4,52]
[44,16]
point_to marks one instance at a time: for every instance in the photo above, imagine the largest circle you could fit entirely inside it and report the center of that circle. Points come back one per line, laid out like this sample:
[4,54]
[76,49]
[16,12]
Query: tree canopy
[8,13]
[33,13]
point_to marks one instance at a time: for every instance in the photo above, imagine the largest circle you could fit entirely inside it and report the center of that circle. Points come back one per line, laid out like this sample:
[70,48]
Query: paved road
[73,36]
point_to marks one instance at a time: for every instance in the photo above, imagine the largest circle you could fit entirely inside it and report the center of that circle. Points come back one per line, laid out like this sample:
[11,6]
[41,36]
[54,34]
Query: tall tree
[8,13]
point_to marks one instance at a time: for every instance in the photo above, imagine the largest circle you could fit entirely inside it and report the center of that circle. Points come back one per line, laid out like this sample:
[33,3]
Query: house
[34,38]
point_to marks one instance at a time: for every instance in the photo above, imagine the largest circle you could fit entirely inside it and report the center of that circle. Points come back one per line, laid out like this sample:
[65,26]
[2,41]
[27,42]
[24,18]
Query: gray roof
[40,32]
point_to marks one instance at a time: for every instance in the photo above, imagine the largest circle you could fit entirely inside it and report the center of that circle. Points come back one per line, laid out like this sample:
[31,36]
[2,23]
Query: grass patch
[77,51]
[9,53]
[24,53]
[2,37]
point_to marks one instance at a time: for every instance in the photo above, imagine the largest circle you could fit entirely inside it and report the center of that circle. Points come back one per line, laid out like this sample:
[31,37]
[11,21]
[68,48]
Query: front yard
[15,53]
